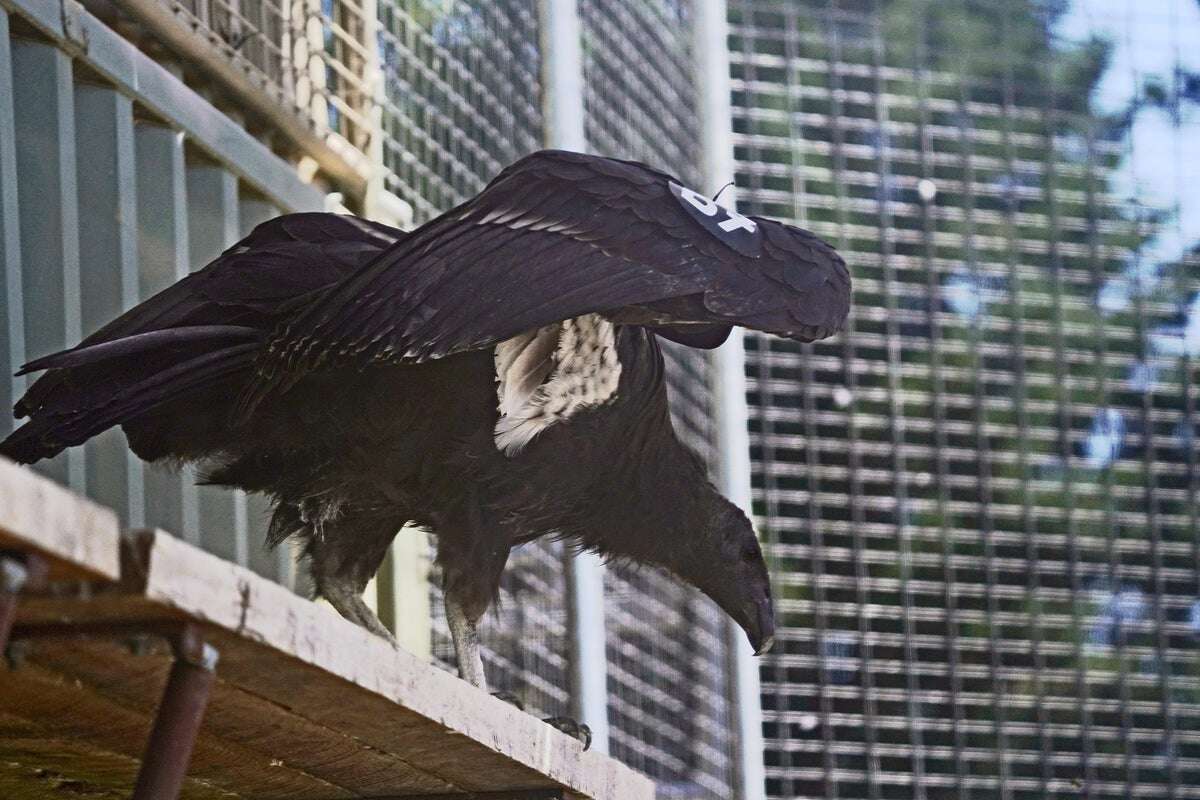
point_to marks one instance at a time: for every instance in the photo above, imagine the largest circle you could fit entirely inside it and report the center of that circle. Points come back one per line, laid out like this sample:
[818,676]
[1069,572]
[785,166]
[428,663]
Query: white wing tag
[731,228]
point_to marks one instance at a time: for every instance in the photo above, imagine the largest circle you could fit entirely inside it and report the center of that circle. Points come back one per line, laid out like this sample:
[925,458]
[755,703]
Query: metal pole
[712,54]
[13,576]
[165,762]
[562,74]
[562,106]
[18,572]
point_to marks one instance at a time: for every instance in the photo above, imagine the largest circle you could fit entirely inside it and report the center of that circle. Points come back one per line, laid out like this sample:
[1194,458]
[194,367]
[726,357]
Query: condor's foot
[570,727]
[509,698]
[573,728]
[350,604]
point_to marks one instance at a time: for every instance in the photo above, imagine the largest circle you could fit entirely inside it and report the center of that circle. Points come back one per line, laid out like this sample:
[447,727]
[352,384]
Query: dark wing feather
[249,286]
[554,236]
[282,259]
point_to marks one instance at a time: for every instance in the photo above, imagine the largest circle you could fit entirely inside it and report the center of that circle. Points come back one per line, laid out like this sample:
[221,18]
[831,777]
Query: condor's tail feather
[91,389]
[137,343]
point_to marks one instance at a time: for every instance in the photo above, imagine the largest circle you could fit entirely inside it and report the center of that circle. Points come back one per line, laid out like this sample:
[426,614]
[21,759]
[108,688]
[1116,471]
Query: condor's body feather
[494,375]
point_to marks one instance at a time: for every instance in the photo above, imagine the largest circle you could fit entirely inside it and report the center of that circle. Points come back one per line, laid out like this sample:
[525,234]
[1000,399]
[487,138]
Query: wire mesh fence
[309,57]
[462,96]
[639,90]
[981,501]
[333,71]
[259,35]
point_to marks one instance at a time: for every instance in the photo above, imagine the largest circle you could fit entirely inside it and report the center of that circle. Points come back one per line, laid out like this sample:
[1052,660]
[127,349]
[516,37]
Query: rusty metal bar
[185,697]
[177,723]
[12,578]
[17,571]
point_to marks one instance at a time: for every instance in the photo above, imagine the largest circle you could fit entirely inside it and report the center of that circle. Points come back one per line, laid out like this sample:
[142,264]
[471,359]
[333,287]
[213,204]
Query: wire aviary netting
[981,500]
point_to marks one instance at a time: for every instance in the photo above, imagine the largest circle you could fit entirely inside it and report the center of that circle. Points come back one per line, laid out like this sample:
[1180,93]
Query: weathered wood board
[78,539]
[307,706]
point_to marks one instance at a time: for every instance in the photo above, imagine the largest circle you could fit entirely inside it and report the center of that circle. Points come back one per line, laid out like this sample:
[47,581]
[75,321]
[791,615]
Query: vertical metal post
[712,54]
[403,592]
[12,318]
[316,78]
[177,723]
[213,225]
[562,98]
[171,501]
[18,572]
[13,576]
[562,74]
[108,276]
[252,212]
[44,111]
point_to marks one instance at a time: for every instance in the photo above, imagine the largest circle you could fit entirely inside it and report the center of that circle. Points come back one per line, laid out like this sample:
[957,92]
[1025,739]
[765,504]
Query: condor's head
[721,557]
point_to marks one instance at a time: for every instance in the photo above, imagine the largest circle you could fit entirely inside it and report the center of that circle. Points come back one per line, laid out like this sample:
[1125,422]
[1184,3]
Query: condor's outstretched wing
[557,235]
[191,333]
[280,260]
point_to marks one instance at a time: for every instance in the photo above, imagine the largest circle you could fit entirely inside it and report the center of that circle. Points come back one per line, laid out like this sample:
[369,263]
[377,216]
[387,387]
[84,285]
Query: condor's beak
[760,625]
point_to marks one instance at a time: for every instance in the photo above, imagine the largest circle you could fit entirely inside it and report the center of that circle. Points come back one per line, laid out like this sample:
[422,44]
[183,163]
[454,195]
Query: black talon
[509,698]
[572,728]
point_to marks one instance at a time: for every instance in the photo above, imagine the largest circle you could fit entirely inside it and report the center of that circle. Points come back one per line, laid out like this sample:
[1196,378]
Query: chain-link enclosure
[981,500]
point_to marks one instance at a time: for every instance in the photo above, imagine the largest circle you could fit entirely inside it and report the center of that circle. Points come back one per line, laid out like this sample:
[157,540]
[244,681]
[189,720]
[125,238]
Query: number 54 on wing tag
[729,227]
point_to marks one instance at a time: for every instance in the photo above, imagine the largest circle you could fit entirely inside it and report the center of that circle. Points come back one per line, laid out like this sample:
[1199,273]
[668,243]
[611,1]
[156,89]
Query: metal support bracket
[72,24]
[17,571]
[181,710]
[177,723]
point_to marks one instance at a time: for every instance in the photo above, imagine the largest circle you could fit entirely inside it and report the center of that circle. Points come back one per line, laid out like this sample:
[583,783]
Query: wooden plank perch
[306,705]
[77,538]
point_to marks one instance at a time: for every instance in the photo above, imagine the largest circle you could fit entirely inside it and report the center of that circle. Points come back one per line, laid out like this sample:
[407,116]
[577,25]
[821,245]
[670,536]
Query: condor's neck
[656,490]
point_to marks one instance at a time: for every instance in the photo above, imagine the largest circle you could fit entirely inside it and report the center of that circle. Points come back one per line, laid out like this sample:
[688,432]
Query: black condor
[494,375]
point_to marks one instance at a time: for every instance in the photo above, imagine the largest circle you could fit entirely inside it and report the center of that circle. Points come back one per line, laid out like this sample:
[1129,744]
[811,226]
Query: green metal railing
[115,181]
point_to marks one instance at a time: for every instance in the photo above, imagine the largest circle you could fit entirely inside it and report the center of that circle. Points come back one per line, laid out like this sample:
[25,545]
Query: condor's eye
[750,553]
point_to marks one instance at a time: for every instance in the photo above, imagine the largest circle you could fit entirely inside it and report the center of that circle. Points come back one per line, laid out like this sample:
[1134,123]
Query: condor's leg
[464,632]
[471,569]
[345,553]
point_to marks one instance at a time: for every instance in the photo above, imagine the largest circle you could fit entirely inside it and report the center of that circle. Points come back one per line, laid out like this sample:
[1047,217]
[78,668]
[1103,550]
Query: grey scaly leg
[345,550]
[346,597]
[465,634]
